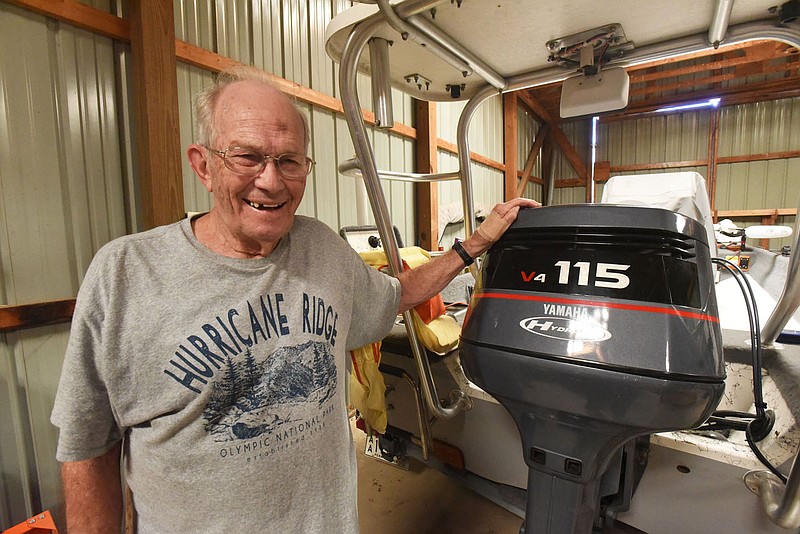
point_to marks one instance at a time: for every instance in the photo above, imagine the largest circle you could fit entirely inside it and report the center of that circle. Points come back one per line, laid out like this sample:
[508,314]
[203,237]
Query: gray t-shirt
[227,376]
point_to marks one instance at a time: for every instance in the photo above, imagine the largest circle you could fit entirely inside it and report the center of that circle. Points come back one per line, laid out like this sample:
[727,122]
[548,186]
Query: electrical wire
[756,427]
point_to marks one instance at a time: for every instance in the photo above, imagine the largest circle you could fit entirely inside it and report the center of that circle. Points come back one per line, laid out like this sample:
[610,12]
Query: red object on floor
[39,524]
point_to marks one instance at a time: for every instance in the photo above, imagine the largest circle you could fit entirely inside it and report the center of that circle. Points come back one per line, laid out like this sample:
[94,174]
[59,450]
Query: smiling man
[211,353]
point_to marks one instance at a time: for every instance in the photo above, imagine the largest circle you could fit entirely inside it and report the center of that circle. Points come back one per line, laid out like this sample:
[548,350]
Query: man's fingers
[513,206]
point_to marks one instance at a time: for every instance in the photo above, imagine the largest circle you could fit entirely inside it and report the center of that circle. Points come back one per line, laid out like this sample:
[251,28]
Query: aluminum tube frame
[476,64]
[352,168]
[353,49]
[381,85]
[719,23]
[408,31]
[781,503]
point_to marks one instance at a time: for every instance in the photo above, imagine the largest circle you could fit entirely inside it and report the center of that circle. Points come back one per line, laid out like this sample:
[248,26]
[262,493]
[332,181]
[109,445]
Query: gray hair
[206,100]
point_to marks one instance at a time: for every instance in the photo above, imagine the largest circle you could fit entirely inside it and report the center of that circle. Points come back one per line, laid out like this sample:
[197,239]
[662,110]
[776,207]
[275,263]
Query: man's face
[254,211]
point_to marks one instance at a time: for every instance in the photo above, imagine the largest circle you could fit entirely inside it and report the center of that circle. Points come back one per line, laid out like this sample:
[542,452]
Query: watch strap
[459,248]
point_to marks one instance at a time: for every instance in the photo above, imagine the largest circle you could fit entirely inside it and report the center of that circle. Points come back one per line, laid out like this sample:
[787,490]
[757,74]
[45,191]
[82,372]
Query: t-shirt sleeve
[376,299]
[82,409]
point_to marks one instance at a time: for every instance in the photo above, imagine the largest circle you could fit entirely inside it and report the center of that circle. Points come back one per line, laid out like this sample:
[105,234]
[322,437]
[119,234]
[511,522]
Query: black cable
[755,331]
[756,427]
[750,441]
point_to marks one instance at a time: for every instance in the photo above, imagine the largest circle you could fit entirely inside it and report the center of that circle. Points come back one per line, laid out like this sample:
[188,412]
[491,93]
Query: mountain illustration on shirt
[253,398]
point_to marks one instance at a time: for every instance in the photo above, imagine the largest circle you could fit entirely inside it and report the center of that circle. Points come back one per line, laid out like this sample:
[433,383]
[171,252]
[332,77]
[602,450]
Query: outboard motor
[592,325]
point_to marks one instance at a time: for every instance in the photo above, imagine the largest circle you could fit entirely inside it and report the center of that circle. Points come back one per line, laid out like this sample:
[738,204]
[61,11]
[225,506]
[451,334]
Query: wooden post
[713,146]
[548,168]
[426,162]
[155,97]
[510,145]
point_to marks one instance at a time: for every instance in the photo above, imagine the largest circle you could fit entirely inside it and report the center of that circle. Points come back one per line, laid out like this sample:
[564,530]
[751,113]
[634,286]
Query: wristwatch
[458,247]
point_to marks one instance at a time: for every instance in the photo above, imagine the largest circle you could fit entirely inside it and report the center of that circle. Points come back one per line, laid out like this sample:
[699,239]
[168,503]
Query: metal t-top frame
[406,19]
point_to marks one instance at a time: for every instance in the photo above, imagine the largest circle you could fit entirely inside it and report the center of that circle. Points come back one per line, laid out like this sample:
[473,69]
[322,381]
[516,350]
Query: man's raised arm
[426,281]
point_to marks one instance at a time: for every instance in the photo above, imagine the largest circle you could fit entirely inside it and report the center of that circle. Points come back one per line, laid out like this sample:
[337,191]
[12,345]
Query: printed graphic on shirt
[251,398]
[204,355]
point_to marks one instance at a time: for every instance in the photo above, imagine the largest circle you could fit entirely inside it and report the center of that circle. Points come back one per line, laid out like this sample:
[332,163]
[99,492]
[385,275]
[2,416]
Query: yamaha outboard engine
[592,325]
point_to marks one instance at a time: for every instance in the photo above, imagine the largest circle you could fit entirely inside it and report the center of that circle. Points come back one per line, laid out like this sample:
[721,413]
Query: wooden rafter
[531,160]
[758,53]
[23,316]
[560,139]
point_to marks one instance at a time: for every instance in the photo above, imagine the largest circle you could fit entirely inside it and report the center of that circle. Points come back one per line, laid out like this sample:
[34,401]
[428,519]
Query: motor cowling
[593,324]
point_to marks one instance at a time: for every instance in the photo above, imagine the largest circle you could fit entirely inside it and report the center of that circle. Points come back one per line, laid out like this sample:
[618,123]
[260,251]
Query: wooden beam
[531,160]
[510,130]
[603,176]
[19,317]
[757,53]
[695,163]
[427,211]
[760,157]
[532,179]
[732,95]
[79,15]
[574,182]
[708,80]
[447,146]
[205,59]
[155,96]
[602,171]
[696,55]
[561,140]
[659,166]
[764,212]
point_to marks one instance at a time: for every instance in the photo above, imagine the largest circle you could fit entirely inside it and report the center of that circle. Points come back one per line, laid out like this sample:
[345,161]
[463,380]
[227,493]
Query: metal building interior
[95,118]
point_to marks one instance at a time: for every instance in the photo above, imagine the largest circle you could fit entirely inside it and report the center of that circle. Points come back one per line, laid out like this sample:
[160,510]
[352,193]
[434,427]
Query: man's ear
[200,164]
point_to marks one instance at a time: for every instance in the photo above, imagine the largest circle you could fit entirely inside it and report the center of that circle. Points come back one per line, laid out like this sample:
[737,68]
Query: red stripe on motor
[617,306]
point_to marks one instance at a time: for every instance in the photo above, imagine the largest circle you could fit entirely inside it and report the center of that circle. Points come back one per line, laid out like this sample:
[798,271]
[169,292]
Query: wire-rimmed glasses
[249,161]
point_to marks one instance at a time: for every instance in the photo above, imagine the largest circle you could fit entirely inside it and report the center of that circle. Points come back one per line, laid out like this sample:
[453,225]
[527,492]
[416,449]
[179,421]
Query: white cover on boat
[684,192]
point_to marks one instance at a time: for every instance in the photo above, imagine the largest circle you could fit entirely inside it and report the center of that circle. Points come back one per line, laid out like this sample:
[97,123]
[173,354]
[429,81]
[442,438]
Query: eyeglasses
[248,161]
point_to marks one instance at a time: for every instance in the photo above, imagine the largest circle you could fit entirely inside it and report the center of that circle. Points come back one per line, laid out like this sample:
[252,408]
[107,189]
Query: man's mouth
[264,207]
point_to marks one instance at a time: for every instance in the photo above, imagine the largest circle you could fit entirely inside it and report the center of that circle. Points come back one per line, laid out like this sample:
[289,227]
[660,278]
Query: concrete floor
[422,501]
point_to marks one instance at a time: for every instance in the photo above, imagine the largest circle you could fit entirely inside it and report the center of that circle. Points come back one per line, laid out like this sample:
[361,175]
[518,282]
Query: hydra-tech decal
[565,329]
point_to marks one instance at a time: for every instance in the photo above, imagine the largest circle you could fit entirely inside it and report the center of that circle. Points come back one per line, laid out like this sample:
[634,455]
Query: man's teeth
[258,206]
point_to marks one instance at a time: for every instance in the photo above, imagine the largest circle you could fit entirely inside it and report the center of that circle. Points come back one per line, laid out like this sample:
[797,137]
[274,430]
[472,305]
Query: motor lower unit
[593,325]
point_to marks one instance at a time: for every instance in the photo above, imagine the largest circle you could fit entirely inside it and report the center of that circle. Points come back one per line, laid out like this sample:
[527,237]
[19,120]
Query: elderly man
[212,351]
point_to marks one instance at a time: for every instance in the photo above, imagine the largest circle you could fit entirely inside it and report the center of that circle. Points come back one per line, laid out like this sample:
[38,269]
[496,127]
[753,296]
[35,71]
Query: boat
[701,478]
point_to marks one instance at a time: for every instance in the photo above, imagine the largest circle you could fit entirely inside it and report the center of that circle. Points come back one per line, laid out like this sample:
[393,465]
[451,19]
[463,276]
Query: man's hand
[495,225]
[428,280]
[93,493]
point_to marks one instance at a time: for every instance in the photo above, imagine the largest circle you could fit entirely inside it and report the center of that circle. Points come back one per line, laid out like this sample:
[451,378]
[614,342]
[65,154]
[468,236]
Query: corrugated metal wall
[62,195]
[744,130]
[757,129]
[485,138]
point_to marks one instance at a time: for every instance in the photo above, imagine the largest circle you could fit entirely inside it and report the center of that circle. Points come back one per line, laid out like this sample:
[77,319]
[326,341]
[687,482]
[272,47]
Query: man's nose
[270,176]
